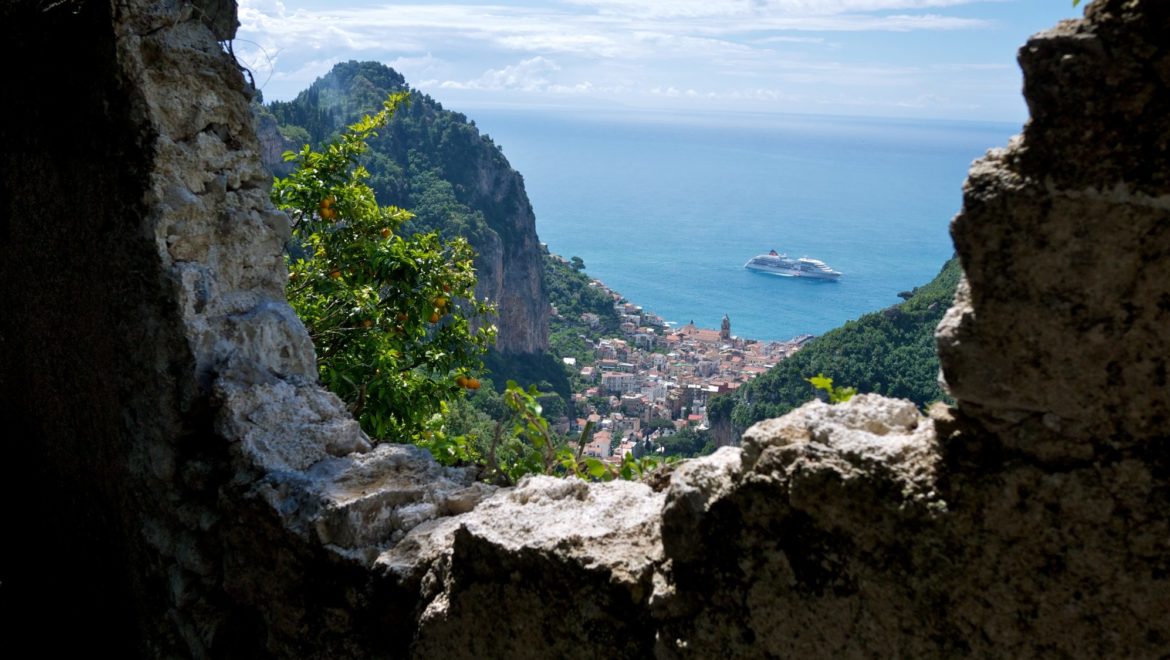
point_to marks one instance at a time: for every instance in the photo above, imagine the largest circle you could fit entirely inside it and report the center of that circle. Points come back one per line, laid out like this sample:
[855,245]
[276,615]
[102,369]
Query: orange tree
[391,314]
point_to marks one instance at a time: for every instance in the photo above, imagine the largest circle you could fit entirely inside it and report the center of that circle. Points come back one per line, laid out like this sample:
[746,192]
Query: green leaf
[363,298]
[821,382]
[595,468]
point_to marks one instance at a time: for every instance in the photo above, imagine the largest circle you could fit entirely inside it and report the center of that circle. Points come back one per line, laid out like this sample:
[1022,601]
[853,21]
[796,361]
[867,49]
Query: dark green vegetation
[391,319]
[570,293]
[688,443]
[427,160]
[543,370]
[438,165]
[390,315]
[431,161]
[890,352]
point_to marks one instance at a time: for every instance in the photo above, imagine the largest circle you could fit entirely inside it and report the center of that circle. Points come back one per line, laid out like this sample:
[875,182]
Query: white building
[618,382]
[654,390]
[644,340]
[599,445]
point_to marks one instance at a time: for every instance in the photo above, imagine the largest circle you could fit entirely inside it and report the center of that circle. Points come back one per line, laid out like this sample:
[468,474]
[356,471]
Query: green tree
[391,315]
[685,443]
[890,352]
[659,423]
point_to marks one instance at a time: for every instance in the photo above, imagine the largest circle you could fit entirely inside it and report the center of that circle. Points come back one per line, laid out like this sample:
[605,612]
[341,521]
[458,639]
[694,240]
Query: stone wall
[1060,335]
[177,485]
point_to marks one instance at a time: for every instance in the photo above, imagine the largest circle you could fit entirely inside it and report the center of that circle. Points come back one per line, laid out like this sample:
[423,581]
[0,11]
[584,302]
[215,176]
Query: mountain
[890,352]
[437,164]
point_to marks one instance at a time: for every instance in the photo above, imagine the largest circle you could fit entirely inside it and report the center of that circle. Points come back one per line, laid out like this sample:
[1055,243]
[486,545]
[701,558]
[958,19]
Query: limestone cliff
[176,485]
[437,164]
[273,145]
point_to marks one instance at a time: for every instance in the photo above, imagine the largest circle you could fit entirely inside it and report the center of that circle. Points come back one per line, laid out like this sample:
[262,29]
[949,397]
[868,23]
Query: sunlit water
[667,209]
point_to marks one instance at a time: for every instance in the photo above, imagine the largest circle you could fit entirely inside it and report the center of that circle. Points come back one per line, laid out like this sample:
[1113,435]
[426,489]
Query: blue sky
[904,58]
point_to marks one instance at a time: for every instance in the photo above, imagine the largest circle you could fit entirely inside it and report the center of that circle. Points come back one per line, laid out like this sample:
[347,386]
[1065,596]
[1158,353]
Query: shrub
[391,315]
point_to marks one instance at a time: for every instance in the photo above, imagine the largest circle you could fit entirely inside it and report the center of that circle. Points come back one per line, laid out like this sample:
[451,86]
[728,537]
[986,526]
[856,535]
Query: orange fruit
[386,233]
[335,274]
[367,323]
[434,317]
[473,383]
[440,302]
[461,380]
[325,208]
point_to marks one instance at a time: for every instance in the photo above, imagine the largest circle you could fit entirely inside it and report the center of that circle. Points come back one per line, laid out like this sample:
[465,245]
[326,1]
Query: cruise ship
[781,264]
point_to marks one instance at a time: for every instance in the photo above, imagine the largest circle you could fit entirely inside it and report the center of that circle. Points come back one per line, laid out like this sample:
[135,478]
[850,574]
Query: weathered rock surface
[805,543]
[512,264]
[1058,337]
[556,567]
[179,487]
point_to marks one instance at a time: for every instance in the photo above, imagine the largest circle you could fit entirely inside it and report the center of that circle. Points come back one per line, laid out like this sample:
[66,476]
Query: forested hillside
[438,165]
[456,181]
[571,295]
[891,352]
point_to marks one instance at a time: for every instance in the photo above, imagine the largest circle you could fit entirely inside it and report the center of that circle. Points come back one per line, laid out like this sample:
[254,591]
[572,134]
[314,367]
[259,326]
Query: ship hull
[792,272]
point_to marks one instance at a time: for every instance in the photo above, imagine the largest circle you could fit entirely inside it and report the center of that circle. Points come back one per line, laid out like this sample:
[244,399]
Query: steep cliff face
[273,145]
[512,262]
[436,163]
[193,493]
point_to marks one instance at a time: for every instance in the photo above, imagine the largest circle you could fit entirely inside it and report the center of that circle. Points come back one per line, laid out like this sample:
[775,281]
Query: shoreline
[650,368]
[670,326]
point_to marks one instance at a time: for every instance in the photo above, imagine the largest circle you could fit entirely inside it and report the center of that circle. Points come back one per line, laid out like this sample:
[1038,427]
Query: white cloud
[674,44]
[595,44]
[659,9]
[789,40]
[609,31]
[579,88]
[670,91]
[526,76]
[765,53]
[529,75]
[580,42]
[249,8]
[309,71]
[415,68]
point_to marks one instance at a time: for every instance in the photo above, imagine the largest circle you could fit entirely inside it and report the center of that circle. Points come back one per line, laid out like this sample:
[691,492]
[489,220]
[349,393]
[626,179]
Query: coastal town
[656,379]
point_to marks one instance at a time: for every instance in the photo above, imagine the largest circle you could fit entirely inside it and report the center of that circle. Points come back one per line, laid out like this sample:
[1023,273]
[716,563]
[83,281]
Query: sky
[944,59]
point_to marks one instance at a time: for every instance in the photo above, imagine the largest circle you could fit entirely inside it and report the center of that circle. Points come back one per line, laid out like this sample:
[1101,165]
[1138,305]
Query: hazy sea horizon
[667,208]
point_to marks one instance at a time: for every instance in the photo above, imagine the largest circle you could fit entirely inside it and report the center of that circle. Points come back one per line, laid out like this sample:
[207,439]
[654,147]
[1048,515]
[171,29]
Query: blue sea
[667,208]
